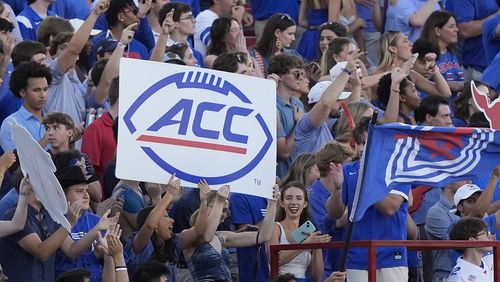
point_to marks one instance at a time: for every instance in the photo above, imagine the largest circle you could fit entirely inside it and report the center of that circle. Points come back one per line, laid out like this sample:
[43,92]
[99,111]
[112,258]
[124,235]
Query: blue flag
[423,155]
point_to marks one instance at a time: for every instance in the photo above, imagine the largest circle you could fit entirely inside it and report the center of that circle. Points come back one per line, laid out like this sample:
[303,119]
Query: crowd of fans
[337,65]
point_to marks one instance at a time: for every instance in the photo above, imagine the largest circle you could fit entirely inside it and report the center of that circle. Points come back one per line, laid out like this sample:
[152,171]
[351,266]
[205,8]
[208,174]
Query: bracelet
[121,45]
[122,268]
[257,238]
[346,71]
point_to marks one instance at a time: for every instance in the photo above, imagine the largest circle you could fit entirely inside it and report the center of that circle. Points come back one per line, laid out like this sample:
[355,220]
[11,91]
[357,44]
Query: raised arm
[70,55]
[197,234]
[334,10]
[334,205]
[252,238]
[19,220]
[392,110]
[484,200]
[112,68]
[321,111]
[439,87]
[75,249]
[418,18]
[167,27]
[144,235]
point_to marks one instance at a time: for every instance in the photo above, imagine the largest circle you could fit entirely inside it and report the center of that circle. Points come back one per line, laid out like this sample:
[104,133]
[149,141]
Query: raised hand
[274,77]
[398,74]
[204,190]
[74,212]
[496,171]
[168,24]
[174,187]
[115,247]
[223,191]
[276,193]
[144,7]
[101,7]
[106,222]
[128,34]
[241,43]
[337,174]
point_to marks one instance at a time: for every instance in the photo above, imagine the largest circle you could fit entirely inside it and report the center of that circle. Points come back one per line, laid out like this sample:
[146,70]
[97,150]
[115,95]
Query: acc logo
[204,120]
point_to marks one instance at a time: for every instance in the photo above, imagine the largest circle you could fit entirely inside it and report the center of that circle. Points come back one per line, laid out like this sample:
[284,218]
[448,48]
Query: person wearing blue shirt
[290,109]
[470,16]
[246,211]
[264,9]
[71,9]
[31,17]
[409,16]
[74,184]
[31,81]
[491,75]
[17,5]
[389,215]
[491,36]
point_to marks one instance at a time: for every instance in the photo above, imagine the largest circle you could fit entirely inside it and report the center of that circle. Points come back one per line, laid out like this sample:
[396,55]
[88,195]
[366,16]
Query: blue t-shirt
[309,139]
[17,5]
[87,260]
[20,265]
[287,124]
[398,17]
[491,75]
[491,42]
[450,68]
[366,14]
[264,9]
[430,198]
[387,228]
[29,21]
[71,9]
[470,10]
[247,209]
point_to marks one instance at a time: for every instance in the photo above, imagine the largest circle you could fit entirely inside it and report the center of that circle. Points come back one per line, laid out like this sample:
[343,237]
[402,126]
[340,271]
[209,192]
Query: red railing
[372,253]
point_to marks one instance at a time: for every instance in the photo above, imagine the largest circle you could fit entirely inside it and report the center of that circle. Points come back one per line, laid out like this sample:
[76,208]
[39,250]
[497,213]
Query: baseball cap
[106,45]
[319,88]
[70,176]
[172,58]
[464,192]
[77,23]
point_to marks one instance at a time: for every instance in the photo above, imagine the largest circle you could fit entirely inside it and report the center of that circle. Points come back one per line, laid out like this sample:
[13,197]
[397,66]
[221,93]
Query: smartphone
[298,234]
[414,57]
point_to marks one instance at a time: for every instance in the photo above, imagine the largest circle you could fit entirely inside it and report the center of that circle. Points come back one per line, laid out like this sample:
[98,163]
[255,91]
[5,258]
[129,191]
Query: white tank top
[299,264]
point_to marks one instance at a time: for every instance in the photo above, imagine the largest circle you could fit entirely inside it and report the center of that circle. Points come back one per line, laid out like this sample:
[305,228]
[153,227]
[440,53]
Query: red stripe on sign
[194,144]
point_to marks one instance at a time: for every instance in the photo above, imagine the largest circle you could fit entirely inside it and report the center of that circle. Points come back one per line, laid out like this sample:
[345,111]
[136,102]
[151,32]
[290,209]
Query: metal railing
[415,245]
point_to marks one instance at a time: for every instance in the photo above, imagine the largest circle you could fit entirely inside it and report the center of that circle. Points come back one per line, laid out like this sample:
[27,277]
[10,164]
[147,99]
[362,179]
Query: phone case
[298,235]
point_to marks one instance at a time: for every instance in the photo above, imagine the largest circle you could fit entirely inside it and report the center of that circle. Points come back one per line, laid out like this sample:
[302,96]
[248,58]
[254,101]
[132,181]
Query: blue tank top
[206,264]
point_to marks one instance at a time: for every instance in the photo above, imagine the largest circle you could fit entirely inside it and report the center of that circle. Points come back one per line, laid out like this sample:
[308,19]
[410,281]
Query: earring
[279,45]
[120,19]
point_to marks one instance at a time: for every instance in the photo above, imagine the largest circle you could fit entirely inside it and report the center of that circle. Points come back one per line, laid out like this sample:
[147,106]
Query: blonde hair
[385,57]
[333,151]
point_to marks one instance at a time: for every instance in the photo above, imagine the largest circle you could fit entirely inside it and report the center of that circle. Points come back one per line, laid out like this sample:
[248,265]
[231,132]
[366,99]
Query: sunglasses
[299,74]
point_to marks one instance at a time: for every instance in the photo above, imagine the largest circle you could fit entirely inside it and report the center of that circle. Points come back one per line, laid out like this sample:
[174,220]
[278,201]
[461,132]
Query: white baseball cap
[464,192]
[319,88]
[77,23]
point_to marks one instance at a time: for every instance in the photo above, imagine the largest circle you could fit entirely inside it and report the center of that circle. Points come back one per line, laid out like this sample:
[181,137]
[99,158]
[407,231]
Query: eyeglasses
[484,232]
[299,74]
[286,16]
[190,17]
[134,10]
[240,58]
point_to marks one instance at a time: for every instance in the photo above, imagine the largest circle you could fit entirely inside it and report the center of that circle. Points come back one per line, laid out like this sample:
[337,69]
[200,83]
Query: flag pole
[350,223]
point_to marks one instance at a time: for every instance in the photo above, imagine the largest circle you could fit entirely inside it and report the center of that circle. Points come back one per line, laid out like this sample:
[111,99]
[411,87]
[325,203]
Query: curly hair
[26,70]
